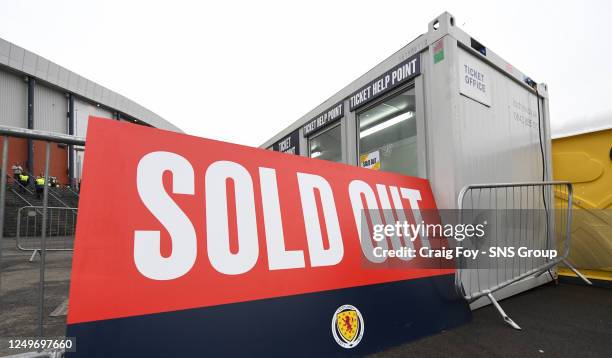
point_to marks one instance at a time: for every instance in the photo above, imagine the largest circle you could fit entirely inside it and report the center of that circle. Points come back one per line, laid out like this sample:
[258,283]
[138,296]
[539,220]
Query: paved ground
[19,293]
[558,321]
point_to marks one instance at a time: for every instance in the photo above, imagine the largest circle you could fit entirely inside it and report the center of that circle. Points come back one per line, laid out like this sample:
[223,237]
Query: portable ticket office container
[445,108]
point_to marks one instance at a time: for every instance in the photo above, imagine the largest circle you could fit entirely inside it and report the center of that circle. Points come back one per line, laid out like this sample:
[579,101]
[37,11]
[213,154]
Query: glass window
[387,135]
[326,145]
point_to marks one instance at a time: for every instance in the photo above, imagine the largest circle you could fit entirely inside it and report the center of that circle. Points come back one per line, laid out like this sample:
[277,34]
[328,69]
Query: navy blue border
[296,326]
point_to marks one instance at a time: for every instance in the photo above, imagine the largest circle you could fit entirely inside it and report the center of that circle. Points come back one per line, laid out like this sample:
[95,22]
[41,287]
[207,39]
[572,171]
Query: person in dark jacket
[17,171]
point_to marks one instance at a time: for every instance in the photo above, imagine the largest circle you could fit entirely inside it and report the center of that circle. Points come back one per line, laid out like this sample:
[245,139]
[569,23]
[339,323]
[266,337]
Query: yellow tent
[585,159]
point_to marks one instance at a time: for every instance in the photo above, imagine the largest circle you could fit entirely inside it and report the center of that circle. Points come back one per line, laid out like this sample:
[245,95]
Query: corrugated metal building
[36,93]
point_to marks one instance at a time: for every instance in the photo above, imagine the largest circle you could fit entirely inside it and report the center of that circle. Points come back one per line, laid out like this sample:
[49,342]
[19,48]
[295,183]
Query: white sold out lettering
[357,188]
[152,264]
[151,190]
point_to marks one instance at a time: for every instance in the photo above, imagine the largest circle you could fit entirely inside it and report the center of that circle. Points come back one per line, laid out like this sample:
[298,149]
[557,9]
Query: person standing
[17,171]
[40,186]
[24,180]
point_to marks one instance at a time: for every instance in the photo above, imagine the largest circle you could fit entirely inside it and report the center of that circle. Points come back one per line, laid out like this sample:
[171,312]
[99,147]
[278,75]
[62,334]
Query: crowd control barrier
[522,218]
[59,230]
[42,229]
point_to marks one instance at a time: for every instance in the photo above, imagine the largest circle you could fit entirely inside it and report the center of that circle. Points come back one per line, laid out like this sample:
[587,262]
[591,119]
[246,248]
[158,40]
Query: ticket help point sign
[192,246]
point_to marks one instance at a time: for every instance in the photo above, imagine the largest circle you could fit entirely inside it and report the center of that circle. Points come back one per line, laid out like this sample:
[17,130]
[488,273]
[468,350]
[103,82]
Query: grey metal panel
[102,112]
[62,80]
[105,95]
[547,131]
[130,106]
[419,90]
[42,67]
[16,57]
[29,62]
[73,81]
[119,101]
[82,111]
[50,109]
[89,93]
[469,142]
[112,99]
[5,51]
[13,100]
[53,72]
[496,145]
[81,114]
[350,150]
[82,85]
[303,144]
[439,94]
[98,93]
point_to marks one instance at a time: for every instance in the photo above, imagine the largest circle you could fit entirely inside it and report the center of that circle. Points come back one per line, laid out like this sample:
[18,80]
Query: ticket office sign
[192,246]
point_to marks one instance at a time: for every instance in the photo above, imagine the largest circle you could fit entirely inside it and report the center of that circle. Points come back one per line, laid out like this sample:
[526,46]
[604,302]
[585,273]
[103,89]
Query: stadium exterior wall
[38,94]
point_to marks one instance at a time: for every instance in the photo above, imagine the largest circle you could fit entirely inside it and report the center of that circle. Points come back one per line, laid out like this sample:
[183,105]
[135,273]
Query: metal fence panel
[517,215]
[61,226]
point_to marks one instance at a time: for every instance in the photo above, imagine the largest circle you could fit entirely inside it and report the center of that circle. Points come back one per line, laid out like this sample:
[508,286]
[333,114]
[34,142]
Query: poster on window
[370,160]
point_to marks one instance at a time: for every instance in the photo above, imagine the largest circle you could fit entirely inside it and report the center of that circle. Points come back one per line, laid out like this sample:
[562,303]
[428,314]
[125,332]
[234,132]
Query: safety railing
[523,222]
[24,188]
[67,188]
[59,232]
[18,195]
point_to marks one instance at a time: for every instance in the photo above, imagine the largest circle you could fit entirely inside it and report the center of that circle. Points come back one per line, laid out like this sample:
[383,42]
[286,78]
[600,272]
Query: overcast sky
[241,71]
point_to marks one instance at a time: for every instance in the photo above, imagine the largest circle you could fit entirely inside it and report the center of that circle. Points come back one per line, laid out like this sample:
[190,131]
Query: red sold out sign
[169,222]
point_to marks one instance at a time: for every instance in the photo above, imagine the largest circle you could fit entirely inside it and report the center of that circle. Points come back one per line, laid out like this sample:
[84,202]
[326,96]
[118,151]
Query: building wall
[13,100]
[58,166]
[51,114]
[52,85]
[82,111]
[50,110]
[18,153]
[13,112]
[30,64]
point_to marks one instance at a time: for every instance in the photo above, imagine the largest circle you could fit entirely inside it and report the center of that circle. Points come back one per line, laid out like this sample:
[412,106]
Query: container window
[326,145]
[388,135]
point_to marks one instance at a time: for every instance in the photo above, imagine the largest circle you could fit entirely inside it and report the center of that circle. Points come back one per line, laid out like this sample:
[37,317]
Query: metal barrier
[50,354]
[59,232]
[517,215]
[45,219]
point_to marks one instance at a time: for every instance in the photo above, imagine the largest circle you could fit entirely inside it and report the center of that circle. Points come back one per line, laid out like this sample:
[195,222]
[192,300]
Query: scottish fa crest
[347,326]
